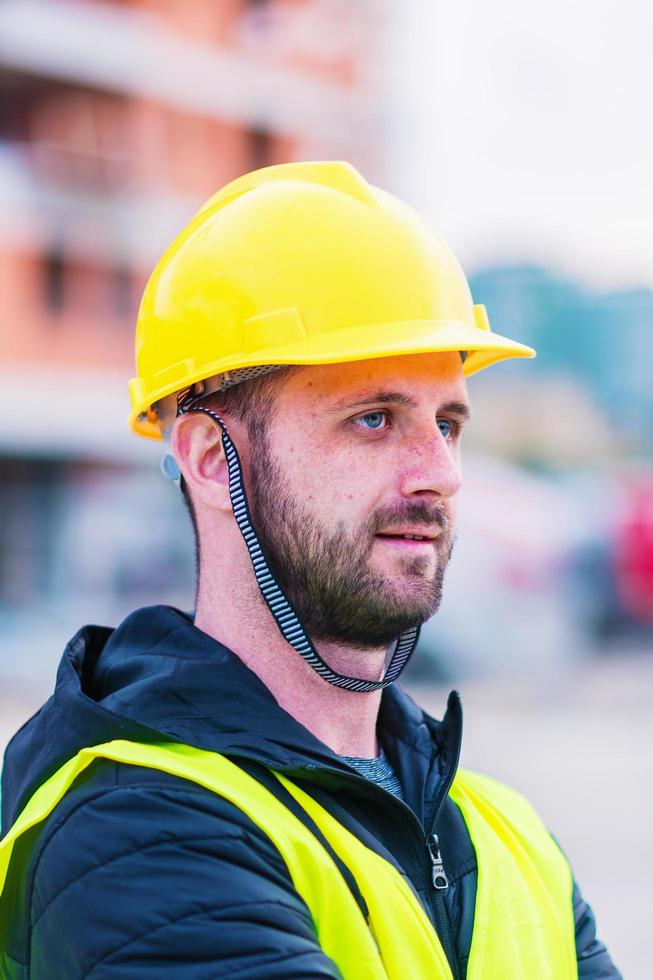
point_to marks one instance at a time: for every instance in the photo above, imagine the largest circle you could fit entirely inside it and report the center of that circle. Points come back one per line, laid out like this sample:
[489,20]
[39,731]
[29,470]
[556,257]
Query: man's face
[357,460]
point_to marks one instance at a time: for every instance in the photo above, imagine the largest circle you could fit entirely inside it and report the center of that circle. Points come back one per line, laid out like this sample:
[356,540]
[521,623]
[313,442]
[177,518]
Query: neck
[344,720]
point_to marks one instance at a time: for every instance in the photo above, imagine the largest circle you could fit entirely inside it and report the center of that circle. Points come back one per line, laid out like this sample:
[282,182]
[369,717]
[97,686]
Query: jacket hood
[157,676]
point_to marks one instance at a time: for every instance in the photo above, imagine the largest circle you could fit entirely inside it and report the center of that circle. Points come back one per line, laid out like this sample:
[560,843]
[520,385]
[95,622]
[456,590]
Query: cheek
[340,485]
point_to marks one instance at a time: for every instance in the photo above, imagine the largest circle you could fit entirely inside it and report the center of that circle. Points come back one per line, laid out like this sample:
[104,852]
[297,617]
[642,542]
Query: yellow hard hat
[301,263]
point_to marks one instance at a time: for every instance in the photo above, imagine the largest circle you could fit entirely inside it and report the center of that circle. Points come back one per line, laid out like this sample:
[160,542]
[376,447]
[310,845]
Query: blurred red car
[633,555]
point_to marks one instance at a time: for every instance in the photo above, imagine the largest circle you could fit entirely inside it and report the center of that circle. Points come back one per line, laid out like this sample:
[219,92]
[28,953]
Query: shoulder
[505,828]
[117,812]
[131,853]
[470,787]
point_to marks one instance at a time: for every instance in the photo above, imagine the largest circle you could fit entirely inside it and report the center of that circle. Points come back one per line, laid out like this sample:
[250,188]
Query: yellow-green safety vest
[523,922]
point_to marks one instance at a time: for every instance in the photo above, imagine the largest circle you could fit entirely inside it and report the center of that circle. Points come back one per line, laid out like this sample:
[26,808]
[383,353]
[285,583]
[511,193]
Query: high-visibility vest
[523,922]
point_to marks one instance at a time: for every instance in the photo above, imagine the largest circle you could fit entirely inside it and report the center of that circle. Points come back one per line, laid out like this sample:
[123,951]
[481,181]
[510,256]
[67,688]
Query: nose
[432,467]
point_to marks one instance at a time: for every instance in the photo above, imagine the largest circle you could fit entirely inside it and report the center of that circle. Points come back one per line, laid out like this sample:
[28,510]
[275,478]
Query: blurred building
[601,343]
[117,119]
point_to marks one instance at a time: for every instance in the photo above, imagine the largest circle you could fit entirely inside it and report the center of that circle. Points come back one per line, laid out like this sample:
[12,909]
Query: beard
[325,572]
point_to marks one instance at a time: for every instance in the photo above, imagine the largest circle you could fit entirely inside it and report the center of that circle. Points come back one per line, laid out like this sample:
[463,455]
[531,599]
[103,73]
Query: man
[244,792]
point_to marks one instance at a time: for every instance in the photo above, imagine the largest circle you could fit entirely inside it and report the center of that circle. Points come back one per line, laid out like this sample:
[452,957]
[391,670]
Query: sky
[524,131]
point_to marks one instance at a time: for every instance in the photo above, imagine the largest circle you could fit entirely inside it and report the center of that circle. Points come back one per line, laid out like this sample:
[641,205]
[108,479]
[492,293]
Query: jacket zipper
[438,874]
[432,846]
[439,913]
[439,878]
[431,842]
[440,885]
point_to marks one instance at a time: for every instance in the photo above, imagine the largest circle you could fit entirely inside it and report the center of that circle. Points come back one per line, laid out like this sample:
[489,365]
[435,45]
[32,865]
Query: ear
[197,447]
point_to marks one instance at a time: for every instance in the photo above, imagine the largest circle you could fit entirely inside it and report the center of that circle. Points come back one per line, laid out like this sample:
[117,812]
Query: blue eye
[446,428]
[372,421]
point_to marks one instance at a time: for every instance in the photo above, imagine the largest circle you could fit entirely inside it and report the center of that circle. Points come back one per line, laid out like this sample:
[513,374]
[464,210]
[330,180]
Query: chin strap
[286,618]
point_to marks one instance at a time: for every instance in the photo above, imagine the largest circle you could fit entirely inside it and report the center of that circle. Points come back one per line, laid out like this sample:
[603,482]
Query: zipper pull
[438,876]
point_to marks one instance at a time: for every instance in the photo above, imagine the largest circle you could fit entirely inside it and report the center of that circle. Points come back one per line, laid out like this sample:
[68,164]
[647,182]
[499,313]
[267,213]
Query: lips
[407,535]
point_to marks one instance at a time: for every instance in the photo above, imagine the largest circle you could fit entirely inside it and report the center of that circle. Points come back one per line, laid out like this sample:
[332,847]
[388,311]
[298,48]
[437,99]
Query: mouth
[408,539]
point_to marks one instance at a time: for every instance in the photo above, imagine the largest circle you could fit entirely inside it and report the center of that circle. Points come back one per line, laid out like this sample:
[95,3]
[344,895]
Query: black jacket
[139,875]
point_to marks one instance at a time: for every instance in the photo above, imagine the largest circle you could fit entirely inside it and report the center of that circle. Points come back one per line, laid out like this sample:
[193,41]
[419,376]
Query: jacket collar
[158,676]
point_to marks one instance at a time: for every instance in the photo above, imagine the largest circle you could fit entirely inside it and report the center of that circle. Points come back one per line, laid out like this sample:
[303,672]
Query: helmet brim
[359,343]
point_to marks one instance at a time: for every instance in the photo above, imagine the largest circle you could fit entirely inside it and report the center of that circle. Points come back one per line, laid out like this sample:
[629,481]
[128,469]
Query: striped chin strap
[284,615]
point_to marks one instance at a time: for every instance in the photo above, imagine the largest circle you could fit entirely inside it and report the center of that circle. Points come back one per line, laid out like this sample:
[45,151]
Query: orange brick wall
[103,146]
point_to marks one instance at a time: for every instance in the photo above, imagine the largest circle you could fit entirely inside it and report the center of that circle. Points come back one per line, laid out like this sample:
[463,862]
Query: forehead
[438,377]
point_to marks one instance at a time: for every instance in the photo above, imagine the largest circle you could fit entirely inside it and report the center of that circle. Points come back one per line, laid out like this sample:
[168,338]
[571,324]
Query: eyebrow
[375,398]
[398,398]
[457,408]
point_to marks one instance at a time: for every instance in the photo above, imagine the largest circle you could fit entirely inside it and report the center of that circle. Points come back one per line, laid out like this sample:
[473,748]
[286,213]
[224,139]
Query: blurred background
[521,132]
